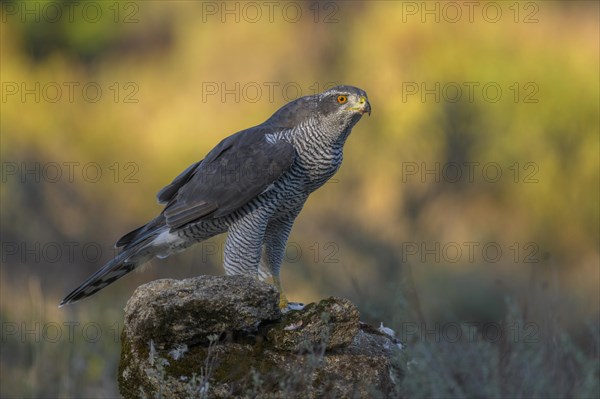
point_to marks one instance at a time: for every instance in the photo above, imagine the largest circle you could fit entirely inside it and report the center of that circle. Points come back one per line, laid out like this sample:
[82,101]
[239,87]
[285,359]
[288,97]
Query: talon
[283,302]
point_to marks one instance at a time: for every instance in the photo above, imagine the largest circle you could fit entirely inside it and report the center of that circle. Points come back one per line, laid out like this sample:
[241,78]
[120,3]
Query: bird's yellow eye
[342,99]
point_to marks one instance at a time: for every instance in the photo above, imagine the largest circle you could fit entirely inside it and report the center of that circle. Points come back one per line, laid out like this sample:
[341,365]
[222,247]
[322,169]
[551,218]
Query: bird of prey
[252,185]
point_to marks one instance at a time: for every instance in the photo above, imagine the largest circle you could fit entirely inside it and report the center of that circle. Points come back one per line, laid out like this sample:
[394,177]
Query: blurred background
[465,216]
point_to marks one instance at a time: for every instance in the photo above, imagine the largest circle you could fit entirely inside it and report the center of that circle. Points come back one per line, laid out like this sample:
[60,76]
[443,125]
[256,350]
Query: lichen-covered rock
[188,311]
[183,339]
[332,322]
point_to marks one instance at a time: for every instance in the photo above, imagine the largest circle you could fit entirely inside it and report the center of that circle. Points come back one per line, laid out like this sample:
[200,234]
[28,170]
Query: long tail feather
[108,274]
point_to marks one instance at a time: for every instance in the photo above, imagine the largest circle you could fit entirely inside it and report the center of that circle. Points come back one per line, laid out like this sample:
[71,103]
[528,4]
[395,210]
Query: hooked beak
[363,106]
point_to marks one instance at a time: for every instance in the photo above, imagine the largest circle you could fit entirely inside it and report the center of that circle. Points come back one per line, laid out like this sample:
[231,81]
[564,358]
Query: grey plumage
[252,185]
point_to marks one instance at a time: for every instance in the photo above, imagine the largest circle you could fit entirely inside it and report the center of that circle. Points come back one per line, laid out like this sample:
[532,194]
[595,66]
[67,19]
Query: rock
[188,311]
[332,322]
[225,337]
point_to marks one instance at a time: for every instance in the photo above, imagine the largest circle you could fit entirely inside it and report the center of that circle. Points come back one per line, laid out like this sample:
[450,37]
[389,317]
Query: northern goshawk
[252,185]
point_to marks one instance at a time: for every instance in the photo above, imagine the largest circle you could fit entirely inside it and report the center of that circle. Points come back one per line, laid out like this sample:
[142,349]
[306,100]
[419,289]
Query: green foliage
[520,365]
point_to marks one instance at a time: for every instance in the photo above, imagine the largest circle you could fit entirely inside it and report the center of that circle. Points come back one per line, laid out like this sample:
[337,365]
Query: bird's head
[344,101]
[338,109]
[341,107]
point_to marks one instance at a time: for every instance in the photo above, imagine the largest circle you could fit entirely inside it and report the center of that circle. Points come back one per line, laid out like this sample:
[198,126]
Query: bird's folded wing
[238,169]
[168,192]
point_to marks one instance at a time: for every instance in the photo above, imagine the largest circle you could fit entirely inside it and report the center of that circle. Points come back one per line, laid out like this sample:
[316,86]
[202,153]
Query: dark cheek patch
[328,106]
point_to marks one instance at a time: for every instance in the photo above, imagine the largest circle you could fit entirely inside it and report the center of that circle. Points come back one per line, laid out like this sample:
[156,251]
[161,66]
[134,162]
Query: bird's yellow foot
[283,301]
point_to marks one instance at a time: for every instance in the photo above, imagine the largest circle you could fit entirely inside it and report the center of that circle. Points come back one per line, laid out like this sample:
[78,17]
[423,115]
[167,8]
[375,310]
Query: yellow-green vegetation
[467,201]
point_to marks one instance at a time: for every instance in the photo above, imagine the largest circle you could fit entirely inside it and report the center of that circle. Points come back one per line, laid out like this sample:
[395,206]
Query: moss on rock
[211,337]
